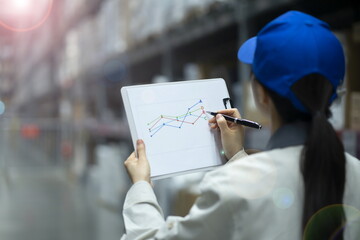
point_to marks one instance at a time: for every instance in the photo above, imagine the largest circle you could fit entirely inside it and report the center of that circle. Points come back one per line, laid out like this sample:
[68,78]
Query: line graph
[192,115]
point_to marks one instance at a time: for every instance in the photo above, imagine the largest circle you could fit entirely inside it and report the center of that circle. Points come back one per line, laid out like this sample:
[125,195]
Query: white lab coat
[257,197]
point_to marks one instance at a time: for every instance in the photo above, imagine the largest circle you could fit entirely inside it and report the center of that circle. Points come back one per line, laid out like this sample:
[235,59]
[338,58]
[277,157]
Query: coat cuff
[139,192]
[238,155]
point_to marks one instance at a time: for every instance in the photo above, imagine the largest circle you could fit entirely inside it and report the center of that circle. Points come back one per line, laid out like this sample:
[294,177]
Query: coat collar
[292,134]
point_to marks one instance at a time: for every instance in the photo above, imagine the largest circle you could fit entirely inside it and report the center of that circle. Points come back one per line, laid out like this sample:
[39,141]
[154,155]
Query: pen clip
[227,103]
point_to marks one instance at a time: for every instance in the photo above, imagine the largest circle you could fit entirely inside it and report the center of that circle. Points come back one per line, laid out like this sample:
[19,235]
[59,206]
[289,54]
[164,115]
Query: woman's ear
[262,98]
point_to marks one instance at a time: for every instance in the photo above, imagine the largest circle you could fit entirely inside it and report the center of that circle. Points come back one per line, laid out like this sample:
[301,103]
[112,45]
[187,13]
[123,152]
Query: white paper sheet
[171,119]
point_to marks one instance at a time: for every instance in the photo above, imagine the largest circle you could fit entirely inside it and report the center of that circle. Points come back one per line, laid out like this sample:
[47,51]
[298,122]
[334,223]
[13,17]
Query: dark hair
[322,158]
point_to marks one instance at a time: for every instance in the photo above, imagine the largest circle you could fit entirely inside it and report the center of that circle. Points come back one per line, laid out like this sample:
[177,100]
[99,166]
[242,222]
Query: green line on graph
[168,121]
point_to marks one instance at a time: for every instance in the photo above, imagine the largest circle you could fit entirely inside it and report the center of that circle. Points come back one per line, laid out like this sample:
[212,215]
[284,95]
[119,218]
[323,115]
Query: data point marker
[163,120]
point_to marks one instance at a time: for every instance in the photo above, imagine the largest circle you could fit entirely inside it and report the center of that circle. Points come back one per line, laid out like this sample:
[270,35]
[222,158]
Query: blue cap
[289,48]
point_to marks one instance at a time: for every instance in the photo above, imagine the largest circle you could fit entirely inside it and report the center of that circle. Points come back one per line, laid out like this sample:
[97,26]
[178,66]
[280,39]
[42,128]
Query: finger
[132,155]
[221,122]
[141,149]
[230,112]
[130,158]
[212,120]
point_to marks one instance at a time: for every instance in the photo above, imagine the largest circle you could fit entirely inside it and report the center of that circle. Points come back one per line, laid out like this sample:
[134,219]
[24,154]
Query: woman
[297,65]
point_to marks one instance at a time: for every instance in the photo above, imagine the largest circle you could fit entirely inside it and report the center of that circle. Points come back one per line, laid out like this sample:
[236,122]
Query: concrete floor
[39,202]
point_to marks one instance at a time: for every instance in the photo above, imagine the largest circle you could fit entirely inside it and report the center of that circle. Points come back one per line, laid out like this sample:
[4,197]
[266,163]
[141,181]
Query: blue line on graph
[168,125]
[164,124]
[195,105]
[157,130]
[189,111]
[180,119]
[187,114]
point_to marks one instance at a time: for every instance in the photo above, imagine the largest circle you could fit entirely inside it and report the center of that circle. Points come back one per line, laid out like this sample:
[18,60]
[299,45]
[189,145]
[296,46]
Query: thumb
[140,148]
[222,123]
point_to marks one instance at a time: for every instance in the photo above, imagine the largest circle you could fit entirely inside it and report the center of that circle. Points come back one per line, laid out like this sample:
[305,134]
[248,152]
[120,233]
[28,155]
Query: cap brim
[247,51]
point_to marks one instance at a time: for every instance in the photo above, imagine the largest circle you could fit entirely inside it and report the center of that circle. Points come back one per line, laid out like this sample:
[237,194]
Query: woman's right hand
[232,134]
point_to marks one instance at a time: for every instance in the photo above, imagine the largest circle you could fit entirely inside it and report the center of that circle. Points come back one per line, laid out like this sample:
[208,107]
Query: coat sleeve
[209,218]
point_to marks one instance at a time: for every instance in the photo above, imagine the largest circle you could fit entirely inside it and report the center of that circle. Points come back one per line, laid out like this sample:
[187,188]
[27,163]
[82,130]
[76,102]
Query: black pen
[244,122]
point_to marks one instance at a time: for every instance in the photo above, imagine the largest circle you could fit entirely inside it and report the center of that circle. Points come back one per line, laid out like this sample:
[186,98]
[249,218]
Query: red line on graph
[177,120]
[197,118]
[157,122]
[156,126]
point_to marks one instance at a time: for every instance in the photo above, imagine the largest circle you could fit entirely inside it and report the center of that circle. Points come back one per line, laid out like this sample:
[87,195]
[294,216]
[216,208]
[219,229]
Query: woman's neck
[276,121]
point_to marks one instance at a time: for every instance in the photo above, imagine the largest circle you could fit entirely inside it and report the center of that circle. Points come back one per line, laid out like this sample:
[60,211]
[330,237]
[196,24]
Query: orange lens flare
[25,7]
[20,5]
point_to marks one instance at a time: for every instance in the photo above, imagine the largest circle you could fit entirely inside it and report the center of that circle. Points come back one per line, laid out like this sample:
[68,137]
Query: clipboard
[171,118]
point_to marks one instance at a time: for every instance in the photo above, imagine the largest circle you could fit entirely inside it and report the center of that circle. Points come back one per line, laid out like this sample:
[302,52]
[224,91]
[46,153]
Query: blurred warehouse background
[63,129]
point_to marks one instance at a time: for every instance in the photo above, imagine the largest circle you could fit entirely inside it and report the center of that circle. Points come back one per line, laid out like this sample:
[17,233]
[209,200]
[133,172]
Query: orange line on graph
[177,121]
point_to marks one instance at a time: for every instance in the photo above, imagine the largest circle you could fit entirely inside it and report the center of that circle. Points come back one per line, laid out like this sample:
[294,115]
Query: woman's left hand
[138,167]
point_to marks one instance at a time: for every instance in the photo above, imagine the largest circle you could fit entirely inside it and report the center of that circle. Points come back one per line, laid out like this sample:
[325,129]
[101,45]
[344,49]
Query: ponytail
[323,169]
[322,159]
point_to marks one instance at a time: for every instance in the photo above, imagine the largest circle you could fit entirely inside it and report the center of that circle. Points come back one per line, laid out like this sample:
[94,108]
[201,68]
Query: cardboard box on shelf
[354,113]
[148,19]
